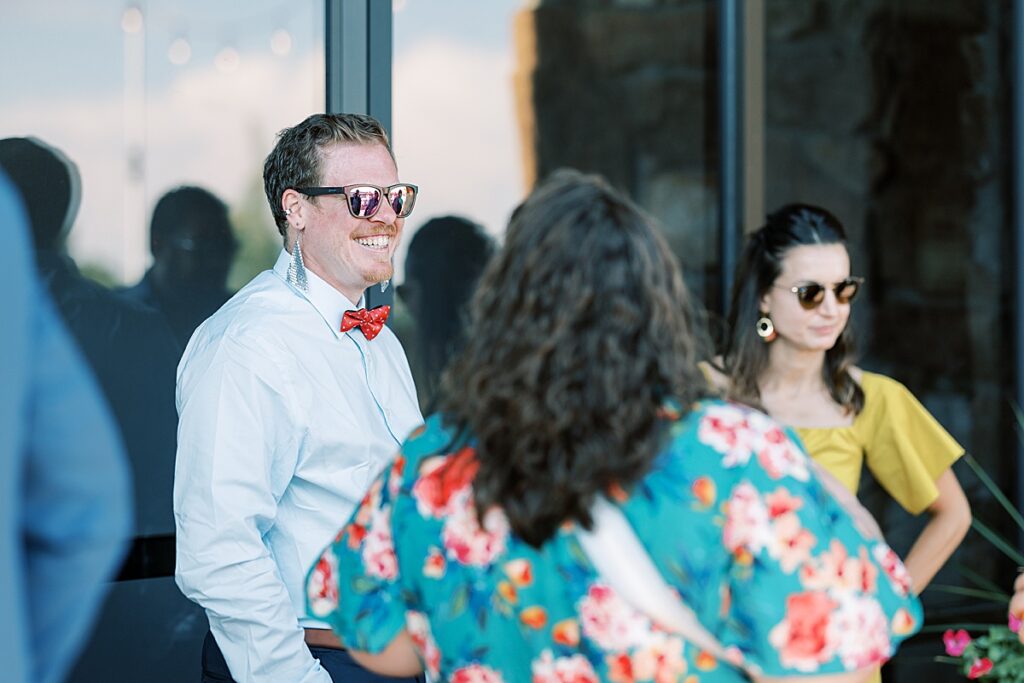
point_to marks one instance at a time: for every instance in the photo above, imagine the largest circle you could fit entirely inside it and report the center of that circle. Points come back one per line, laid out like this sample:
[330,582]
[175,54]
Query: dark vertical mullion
[358,72]
[1017,203]
[730,184]
[378,58]
[378,96]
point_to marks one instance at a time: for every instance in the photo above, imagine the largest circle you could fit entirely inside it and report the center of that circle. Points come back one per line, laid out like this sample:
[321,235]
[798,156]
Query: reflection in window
[456,135]
[138,131]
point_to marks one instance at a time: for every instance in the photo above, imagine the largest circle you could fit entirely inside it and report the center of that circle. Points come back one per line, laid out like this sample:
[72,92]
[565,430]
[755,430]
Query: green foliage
[996,656]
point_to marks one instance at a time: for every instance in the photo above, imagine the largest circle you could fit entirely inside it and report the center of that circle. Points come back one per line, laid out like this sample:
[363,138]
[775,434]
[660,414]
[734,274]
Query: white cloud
[453,118]
[456,134]
[206,128]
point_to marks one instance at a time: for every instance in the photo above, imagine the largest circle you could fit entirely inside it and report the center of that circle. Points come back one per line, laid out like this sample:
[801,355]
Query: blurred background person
[579,381]
[193,246]
[65,514]
[789,350]
[445,259]
[129,347]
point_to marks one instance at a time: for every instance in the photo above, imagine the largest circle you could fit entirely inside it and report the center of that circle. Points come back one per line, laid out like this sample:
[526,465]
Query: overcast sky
[74,76]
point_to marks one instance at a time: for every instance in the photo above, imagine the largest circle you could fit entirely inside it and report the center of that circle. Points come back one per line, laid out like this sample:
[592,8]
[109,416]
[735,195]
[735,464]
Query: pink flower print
[609,621]
[434,491]
[835,569]
[781,501]
[434,565]
[804,638]
[519,571]
[322,586]
[422,638]
[792,544]
[476,673]
[956,642]
[903,623]
[378,550]
[862,632]
[779,457]
[356,530]
[746,521]
[660,659]
[620,668]
[464,539]
[725,429]
[395,477]
[892,565]
[550,669]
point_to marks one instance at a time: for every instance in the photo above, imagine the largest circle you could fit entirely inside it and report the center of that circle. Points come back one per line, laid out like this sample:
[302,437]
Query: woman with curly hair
[579,384]
[789,350]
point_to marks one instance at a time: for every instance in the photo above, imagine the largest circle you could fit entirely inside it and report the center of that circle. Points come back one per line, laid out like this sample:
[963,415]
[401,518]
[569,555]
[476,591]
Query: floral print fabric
[730,514]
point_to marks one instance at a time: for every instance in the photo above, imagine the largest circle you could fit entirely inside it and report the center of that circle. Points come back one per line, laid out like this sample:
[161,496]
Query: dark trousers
[337,663]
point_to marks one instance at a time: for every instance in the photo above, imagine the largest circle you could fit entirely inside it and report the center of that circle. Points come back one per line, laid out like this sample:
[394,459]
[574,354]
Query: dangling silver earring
[384,285]
[297,269]
[765,329]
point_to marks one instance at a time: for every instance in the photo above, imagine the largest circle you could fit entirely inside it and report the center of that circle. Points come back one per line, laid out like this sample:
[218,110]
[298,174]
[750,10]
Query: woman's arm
[950,520]
[1017,603]
[857,676]
[397,659]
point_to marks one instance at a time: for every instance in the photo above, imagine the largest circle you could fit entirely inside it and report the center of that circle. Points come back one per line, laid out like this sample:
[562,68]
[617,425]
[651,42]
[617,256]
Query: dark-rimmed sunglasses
[365,200]
[811,294]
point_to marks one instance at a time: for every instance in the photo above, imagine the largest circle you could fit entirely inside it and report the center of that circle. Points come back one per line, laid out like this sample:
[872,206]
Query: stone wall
[893,114]
[627,89]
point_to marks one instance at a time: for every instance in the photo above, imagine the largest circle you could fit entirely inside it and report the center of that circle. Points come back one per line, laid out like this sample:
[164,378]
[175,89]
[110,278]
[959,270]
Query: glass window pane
[488,97]
[122,103]
[895,116]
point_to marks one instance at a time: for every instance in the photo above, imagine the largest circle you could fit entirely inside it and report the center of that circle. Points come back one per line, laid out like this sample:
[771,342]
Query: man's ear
[293,207]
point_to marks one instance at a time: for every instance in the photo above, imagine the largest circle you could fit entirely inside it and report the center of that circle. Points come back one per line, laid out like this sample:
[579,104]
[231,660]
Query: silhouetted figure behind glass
[193,246]
[445,259]
[129,346]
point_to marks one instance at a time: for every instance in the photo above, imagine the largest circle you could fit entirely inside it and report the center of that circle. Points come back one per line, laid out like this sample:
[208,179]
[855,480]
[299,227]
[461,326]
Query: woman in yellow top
[788,351]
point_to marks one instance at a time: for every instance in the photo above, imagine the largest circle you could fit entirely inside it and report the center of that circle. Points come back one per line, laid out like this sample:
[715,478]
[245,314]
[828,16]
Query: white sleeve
[237,449]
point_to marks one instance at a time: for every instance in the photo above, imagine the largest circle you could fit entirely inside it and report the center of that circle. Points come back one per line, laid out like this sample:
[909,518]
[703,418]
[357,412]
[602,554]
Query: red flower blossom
[980,667]
[433,491]
[956,642]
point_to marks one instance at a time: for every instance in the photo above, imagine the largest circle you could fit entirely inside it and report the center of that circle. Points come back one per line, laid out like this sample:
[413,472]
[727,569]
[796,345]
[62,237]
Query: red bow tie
[370,322]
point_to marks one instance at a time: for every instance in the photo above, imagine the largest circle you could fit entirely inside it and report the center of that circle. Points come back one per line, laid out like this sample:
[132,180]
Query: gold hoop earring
[765,329]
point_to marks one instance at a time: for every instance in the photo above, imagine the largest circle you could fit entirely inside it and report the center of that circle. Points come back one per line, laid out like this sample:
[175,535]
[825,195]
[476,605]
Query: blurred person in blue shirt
[64,487]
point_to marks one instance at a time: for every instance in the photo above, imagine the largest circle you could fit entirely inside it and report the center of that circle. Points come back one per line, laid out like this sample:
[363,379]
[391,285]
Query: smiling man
[291,397]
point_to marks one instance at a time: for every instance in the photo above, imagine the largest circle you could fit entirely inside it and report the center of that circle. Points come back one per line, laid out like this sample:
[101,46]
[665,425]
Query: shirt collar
[329,302]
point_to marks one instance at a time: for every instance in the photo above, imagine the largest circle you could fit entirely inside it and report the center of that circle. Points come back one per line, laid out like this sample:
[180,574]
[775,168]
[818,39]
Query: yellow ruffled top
[905,448]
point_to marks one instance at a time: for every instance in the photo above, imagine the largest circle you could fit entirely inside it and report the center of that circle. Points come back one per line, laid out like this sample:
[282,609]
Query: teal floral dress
[730,514]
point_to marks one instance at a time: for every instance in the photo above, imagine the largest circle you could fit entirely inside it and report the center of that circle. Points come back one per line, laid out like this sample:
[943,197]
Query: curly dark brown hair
[581,329]
[744,354]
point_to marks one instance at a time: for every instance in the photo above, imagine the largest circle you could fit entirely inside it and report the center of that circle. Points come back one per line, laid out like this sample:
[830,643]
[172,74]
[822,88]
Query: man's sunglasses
[365,200]
[811,294]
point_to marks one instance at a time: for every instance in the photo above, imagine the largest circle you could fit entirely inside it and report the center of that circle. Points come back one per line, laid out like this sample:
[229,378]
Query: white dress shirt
[284,423]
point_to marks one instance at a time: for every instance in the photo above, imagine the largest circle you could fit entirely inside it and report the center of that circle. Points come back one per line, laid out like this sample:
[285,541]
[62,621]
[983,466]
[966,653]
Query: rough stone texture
[894,114]
[910,155]
[627,89]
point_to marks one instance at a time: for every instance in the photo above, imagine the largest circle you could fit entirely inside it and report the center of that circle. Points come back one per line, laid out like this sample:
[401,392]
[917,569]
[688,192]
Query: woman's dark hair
[745,355]
[581,330]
